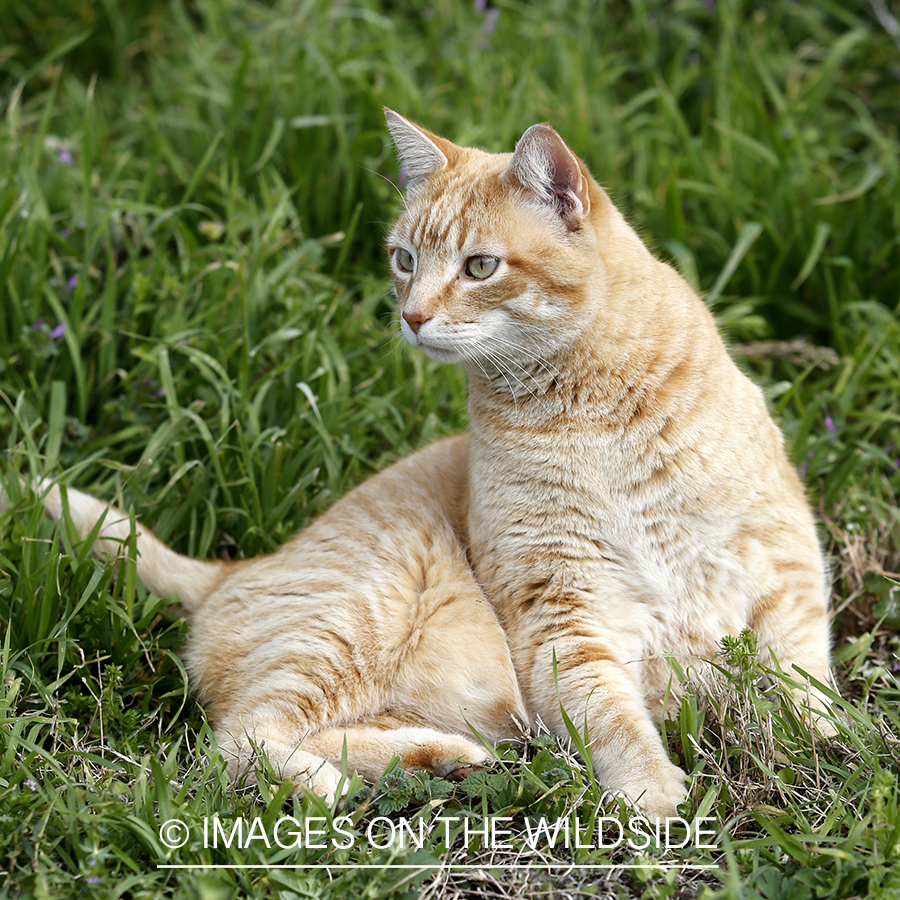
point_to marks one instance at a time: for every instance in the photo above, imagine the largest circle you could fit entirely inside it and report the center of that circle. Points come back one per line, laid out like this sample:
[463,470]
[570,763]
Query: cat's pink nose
[415,320]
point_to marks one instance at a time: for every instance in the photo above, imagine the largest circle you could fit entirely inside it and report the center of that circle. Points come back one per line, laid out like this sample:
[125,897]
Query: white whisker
[513,360]
[391,183]
[468,355]
[519,349]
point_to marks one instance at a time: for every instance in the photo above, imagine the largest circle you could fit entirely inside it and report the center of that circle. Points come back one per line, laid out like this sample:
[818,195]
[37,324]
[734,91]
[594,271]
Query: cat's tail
[162,570]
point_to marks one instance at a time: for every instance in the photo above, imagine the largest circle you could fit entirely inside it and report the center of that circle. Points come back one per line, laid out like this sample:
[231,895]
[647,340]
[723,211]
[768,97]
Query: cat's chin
[437,352]
[440,354]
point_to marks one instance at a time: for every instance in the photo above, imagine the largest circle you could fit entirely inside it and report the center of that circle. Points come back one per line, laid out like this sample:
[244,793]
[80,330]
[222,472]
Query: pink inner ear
[545,166]
[567,176]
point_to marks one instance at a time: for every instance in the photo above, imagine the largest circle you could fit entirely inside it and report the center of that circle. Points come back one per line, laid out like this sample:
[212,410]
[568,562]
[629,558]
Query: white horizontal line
[420,866]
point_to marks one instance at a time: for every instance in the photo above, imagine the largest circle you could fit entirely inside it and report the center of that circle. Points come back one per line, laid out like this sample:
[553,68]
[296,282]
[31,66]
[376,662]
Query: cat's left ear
[421,152]
[544,166]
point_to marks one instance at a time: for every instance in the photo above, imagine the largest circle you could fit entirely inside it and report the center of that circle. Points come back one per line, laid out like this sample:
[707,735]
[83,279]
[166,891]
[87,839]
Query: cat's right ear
[417,149]
[547,169]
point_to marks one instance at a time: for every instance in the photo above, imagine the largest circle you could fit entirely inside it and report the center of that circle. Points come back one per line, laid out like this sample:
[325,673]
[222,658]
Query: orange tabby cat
[629,495]
[623,494]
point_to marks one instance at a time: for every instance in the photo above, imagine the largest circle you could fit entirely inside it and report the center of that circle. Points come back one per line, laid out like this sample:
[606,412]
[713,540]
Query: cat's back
[397,515]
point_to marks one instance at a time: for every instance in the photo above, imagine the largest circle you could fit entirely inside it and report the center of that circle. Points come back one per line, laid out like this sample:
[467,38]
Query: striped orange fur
[629,493]
[622,494]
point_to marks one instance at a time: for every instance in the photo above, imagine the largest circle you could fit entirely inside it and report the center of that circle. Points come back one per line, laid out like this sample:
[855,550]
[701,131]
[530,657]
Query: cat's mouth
[441,355]
[437,351]
[433,344]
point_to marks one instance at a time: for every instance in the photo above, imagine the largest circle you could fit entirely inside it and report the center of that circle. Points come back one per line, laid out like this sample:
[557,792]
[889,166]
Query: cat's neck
[611,375]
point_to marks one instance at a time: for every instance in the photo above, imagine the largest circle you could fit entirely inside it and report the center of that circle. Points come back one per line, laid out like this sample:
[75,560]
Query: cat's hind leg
[371,747]
[242,746]
[314,760]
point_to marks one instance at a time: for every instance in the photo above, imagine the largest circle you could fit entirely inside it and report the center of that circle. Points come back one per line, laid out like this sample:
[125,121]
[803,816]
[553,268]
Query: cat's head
[494,253]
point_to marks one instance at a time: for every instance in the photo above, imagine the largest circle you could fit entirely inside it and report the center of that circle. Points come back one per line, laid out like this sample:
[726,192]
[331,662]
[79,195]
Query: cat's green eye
[481,267]
[404,259]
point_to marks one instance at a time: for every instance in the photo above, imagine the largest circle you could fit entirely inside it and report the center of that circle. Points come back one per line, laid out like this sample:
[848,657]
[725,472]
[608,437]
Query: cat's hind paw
[461,772]
[319,777]
[469,758]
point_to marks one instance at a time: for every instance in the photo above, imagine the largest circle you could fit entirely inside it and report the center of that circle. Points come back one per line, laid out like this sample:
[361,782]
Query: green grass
[195,320]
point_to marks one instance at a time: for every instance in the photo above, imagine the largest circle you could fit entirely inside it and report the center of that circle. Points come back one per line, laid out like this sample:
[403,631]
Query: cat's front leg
[598,688]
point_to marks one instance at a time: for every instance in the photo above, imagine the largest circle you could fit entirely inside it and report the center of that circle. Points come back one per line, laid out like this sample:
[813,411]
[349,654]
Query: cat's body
[369,626]
[629,494]
[624,494]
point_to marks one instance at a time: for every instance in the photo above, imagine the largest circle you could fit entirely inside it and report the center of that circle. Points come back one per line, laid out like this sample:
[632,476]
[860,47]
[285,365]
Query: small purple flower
[58,332]
[481,5]
[65,233]
[31,784]
[490,20]
[72,283]
[75,431]
[93,879]
[38,325]
[829,425]
[66,157]
[801,469]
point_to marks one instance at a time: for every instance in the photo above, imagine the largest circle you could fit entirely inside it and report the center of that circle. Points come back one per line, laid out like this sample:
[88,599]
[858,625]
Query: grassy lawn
[195,320]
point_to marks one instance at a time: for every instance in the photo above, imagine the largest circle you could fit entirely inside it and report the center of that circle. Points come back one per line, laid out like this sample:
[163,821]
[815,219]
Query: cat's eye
[481,267]
[404,259]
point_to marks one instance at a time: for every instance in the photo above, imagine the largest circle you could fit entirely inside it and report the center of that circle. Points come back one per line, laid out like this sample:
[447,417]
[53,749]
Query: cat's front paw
[658,791]
[825,727]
